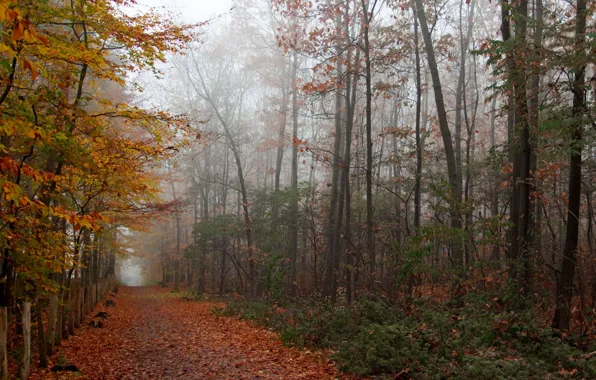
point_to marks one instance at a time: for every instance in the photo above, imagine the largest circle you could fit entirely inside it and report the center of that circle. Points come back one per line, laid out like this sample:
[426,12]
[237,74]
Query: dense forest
[405,183]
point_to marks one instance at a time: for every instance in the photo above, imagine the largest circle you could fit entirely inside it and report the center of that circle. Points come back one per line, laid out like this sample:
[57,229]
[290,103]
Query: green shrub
[378,349]
[371,338]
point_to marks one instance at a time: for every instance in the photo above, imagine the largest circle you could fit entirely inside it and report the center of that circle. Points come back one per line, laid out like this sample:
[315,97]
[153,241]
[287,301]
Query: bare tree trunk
[177,227]
[222,273]
[496,246]
[370,236]
[417,185]
[26,349]
[351,85]
[294,183]
[461,82]
[243,191]
[511,122]
[247,218]
[329,282]
[3,343]
[52,317]
[41,339]
[280,152]
[561,319]
[522,217]
[454,183]
[205,192]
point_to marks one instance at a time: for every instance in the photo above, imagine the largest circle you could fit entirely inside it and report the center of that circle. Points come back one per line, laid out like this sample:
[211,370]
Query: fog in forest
[342,148]
[406,184]
[131,273]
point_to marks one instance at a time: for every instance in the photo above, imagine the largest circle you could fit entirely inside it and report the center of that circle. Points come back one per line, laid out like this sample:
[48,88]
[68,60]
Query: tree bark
[41,339]
[294,184]
[3,343]
[562,317]
[330,276]
[25,364]
[370,236]
[417,185]
[455,196]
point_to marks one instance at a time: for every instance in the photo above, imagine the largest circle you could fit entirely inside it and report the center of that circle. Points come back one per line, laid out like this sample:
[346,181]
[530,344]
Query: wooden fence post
[71,311]
[88,302]
[77,309]
[41,339]
[58,330]
[52,320]
[64,314]
[26,355]
[82,313]
[3,342]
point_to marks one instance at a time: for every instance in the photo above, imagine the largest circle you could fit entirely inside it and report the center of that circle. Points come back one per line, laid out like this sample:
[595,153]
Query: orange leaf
[18,31]
[29,66]
[43,40]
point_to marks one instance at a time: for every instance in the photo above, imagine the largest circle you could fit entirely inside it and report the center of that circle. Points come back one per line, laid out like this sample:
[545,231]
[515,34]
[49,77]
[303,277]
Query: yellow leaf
[5,48]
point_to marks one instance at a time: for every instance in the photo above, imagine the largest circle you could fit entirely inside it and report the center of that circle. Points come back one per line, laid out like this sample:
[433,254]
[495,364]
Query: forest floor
[152,333]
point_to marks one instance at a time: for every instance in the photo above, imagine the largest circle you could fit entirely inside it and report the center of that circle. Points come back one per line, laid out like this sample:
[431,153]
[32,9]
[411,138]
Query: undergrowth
[479,340]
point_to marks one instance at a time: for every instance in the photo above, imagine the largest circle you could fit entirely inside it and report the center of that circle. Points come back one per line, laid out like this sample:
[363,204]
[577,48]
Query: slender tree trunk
[52,318]
[243,192]
[455,196]
[41,339]
[562,315]
[329,287]
[522,217]
[351,88]
[511,138]
[222,273]
[3,343]
[496,246]
[417,185]
[280,151]
[205,193]
[177,228]
[461,82]
[294,183]
[25,364]
[370,236]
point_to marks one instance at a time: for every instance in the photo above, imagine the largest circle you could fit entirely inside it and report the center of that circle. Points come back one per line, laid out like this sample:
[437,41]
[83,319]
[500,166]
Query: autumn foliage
[77,160]
[75,154]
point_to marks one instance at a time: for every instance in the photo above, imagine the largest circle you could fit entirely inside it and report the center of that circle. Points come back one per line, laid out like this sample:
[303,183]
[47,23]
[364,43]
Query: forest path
[152,333]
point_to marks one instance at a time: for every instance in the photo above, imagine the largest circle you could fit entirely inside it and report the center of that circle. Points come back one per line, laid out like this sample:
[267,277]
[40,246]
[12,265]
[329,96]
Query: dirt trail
[153,334]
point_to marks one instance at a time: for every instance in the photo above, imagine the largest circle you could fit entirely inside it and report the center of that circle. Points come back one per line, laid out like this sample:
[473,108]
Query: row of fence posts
[64,316]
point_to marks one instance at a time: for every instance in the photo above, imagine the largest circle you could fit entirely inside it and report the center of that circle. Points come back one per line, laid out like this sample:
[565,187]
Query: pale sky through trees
[191,11]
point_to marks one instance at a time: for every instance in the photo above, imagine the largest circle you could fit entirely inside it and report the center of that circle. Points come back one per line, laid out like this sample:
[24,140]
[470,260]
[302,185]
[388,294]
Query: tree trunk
[3,343]
[329,282]
[41,339]
[455,195]
[25,364]
[244,193]
[52,317]
[177,228]
[370,236]
[496,246]
[562,315]
[205,191]
[351,85]
[417,185]
[222,273]
[292,286]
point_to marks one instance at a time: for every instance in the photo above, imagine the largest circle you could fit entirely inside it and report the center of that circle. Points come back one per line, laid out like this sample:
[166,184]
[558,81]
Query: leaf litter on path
[152,334]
